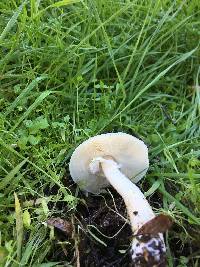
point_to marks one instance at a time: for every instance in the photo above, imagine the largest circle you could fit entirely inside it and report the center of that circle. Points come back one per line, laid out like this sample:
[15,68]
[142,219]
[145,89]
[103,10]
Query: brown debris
[61,224]
[159,224]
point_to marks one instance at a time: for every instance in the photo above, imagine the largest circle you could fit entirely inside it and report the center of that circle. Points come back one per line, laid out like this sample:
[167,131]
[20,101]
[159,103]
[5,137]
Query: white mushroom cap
[130,153]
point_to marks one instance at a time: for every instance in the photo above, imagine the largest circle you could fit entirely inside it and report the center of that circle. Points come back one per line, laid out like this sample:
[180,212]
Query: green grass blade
[150,84]
[19,226]
[9,177]
[12,21]
[50,264]
[57,5]
[178,175]
[37,102]
[153,188]
[157,78]
[24,94]
[64,3]
[179,205]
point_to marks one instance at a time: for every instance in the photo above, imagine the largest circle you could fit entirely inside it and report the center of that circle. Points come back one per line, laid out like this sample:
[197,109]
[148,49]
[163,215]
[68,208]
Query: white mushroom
[121,160]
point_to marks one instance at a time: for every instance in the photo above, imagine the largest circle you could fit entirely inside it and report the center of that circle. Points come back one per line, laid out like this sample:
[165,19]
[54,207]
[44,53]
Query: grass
[73,69]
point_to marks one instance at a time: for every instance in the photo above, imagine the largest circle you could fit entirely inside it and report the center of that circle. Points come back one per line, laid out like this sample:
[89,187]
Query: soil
[107,213]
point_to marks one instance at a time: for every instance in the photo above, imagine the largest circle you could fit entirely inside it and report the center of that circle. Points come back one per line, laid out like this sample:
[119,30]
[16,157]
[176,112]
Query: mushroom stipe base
[149,250]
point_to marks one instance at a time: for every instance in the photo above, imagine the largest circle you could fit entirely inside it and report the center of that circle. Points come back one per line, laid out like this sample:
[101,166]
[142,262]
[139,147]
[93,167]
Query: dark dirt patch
[102,214]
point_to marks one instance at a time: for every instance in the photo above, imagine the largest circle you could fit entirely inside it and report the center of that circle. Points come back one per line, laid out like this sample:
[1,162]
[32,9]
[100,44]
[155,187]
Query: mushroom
[120,160]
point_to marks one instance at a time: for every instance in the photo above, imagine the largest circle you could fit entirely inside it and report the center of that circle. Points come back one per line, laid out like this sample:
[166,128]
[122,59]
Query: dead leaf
[159,224]
[61,224]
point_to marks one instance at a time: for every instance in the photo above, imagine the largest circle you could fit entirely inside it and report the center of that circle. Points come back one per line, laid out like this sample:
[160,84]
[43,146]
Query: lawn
[70,70]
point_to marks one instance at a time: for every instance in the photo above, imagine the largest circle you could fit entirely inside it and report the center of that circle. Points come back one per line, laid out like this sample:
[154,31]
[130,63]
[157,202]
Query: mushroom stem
[138,208]
[152,249]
